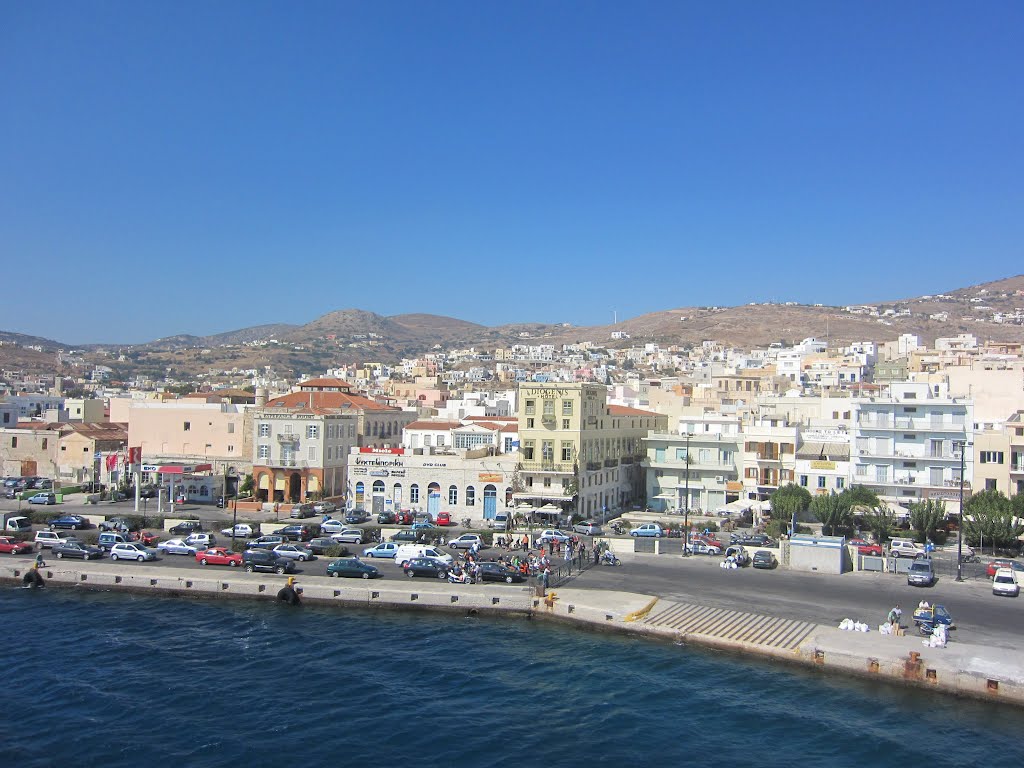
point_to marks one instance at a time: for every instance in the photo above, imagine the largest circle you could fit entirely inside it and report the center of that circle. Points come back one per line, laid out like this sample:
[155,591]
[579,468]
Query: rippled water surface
[116,680]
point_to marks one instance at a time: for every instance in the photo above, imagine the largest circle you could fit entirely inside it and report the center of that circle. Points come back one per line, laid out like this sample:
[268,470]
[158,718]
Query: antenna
[615,317]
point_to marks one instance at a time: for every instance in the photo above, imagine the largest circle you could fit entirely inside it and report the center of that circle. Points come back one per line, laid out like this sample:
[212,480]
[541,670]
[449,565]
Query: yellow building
[580,454]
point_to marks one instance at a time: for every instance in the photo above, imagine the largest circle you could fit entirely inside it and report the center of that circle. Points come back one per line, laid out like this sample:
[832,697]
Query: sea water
[120,680]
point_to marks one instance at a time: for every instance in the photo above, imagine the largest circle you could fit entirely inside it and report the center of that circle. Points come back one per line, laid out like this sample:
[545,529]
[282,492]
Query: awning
[177,469]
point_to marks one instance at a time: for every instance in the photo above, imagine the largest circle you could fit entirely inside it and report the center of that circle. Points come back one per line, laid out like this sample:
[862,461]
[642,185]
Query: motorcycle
[458,578]
[610,558]
[616,528]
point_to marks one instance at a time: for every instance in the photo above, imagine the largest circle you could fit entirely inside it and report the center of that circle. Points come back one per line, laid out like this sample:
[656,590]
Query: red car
[865,547]
[11,546]
[403,517]
[995,565]
[148,539]
[443,518]
[218,556]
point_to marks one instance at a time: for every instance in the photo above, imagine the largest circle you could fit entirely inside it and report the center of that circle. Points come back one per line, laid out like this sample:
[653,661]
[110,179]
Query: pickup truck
[14,523]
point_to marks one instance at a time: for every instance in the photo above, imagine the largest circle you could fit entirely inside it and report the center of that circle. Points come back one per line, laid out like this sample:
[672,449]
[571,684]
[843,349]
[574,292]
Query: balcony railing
[910,423]
[287,438]
[547,466]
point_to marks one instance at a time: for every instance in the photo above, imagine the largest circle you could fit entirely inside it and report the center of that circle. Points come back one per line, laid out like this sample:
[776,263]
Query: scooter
[610,558]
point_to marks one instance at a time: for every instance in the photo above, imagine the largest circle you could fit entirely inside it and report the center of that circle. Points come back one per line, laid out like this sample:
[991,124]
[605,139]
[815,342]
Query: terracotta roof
[319,402]
[325,383]
[622,410]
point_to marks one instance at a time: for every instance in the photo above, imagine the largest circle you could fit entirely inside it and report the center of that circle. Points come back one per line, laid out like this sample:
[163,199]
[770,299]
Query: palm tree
[880,521]
[832,511]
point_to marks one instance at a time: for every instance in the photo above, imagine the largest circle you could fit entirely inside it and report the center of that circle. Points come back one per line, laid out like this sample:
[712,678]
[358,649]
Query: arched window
[470,496]
[396,493]
[453,495]
[378,487]
[414,494]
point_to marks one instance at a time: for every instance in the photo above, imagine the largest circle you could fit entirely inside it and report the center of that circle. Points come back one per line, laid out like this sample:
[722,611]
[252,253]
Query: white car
[384,549]
[553,534]
[332,526]
[52,538]
[349,536]
[131,551]
[293,551]
[177,547]
[201,540]
[1004,583]
[466,541]
[587,528]
[240,531]
[325,507]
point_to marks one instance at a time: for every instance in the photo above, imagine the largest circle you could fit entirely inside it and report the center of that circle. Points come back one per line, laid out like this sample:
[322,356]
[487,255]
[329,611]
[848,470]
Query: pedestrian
[597,553]
[545,579]
[39,560]
[894,616]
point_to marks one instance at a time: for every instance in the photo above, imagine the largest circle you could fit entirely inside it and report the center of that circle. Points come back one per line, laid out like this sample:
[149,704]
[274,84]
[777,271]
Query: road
[981,617]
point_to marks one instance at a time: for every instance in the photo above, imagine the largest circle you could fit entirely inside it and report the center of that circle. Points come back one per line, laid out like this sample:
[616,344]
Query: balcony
[287,439]
[911,425]
[560,467]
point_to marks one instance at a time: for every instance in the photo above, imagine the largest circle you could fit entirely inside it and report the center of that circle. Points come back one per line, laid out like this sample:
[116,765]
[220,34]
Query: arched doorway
[490,502]
[294,487]
[433,499]
[378,497]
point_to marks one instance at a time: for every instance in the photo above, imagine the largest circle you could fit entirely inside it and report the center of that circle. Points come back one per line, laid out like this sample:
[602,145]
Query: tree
[860,496]
[989,516]
[832,511]
[789,500]
[880,520]
[926,517]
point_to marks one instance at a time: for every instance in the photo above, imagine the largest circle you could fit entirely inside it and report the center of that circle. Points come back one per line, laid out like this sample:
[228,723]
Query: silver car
[130,551]
[349,536]
[293,551]
[587,528]
[177,547]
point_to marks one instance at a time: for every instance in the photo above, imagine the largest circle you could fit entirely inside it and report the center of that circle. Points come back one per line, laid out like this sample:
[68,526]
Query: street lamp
[962,445]
[686,512]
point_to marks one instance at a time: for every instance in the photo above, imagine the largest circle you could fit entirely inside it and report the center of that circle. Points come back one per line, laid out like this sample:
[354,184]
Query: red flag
[111,462]
[135,455]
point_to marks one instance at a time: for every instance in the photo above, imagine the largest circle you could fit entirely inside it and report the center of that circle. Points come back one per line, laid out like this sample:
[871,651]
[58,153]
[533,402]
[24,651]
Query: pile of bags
[849,625]
[728,563]
[938,637]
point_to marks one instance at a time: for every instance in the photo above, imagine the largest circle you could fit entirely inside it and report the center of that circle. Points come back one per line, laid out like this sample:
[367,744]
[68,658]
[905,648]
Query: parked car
[553,534]
[423,527]
[753,540]
[52,538]
[444,519]
[296,532]
[201,540]
[332,526]
[148,538]
[325,507]
[177,547]
[108,539]
[115,524]
[186,527]
[865,547]
[426,566]
[386,518]
[293,551]
[74,522]
[404,517]
[43,498]
[490,571]
[131,551]
[1005,583]
[764,559]
[349,536]
[300,511]
[995,565]
[405,536]
[701,547]
[921,573]
[356,516]
[352,567]
[647,530]
[239,531]
[218,556]
[905,548]
[466,541]
[75,548]
[324,544]
[384,549]
[11,546]
[588,528]
[269,541]
[265,560]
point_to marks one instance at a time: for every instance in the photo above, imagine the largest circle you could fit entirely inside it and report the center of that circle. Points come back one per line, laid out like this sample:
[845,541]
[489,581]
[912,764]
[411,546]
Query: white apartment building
[698,472]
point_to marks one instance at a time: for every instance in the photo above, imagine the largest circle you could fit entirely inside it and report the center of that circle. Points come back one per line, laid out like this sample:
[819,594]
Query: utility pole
[686,512]
[962,444]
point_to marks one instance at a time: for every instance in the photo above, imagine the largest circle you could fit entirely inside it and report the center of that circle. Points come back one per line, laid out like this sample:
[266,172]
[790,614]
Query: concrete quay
[964,669]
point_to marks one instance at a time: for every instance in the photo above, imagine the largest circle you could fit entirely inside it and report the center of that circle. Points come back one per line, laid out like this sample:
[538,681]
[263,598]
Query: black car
[269,541]
[74,548]
[302,510]
[426,566]
[752,540]
[186,527]
[91,487]
[265,560]
[322,544]
[356,516]
[406,536]
[497,572]
[386,518]
[295,532]
[74,522]
[764,559]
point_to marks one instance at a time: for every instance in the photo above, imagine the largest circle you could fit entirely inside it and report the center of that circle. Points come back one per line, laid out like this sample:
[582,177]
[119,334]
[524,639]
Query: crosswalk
[736,626]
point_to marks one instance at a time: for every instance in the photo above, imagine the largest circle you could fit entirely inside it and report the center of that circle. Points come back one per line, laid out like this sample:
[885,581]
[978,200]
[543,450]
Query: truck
[15,523]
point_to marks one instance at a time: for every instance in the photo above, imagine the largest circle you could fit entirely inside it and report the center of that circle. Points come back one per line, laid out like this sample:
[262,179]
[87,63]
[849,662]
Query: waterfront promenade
[967,668]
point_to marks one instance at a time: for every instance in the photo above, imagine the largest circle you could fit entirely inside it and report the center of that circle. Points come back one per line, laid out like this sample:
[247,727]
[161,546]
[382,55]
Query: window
[263,452]
[821,481]
[188,426]
[547,482]
[414,494]
[44,445]
[528,450]
[990,484]
[440,441]
[529,423]
[312,431]
[531,407]
[840,483]
[508,444]
[63,447]
[565,424]
[231,428]
[264,430]
[566,451]
[985,457]
[567,407]
[453,495]
[846,415]
[470,496]
[547,451]
[231,449]
[14,442]
[803,481]
[312,453]
[549,407]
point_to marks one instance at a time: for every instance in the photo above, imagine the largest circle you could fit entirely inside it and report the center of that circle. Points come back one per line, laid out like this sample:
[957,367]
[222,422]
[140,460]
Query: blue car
[74,522]
[423,526]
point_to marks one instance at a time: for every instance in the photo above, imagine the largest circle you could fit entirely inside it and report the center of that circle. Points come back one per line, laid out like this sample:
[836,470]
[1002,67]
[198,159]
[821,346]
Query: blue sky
[198,167]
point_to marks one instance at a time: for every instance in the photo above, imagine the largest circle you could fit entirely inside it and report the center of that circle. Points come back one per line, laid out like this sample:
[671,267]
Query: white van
[499,522]
[407,552]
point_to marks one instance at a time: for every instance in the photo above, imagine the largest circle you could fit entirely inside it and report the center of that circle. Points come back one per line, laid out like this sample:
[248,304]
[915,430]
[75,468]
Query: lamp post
[962,445]
[686,509]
